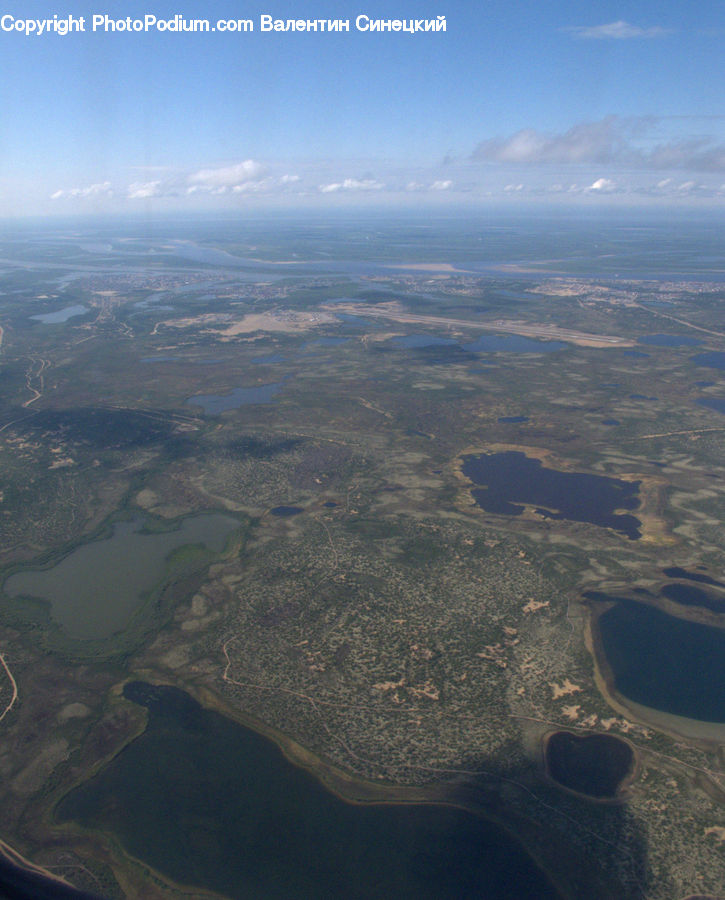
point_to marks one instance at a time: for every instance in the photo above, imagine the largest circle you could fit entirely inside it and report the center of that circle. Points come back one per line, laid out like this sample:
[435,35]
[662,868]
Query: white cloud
[441,185]
[588,142]
[101,189]
[603,186]
[142,190]
[618,31]
[223,178]
[352,184]
[609,141]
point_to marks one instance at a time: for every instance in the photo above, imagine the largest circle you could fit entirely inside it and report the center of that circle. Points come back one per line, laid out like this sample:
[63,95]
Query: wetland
[416,551]
[95,590]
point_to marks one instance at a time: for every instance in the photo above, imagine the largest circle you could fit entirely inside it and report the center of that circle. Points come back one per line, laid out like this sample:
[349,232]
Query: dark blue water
[636,353]
[689,595]
[669,340]
[512,343]
[513,420]
[611,422]
[213,804]
[594,764]
[213,404]
[716,359]
[716,403]
[664,662]
[677,572]
[418,341]
[284,512]
[512,478]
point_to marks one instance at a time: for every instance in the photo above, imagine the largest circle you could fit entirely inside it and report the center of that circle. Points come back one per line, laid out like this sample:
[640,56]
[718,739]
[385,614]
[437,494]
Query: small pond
[715,403]
[213,404]
[61,315]
[512,343]
[594,764]
[715,360]
[669,340]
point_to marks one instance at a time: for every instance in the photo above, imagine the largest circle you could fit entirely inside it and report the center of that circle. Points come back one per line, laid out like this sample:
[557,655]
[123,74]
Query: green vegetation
[399,633]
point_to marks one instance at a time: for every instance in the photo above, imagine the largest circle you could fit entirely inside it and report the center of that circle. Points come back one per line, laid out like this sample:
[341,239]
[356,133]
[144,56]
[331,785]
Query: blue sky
[557,101]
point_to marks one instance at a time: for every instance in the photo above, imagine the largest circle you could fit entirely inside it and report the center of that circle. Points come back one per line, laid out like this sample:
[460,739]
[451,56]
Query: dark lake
[594,764]
[285,512]
[213,404]
[511,478]
[689,595]
[715,403]
[669,340]
[211,803]
[716,359]
[513,420]
[677,572]
[419,341]
[664,662]
[512,343]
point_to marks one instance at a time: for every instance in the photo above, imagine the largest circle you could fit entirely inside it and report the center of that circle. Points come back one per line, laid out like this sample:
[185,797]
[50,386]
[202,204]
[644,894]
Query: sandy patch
[500,326]
[534,605]
[283,320]
[146,498]
[563,690]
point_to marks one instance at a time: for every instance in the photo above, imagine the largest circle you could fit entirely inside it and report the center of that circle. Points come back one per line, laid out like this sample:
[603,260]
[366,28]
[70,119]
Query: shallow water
[61,315]
[93,592]
[213,404]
